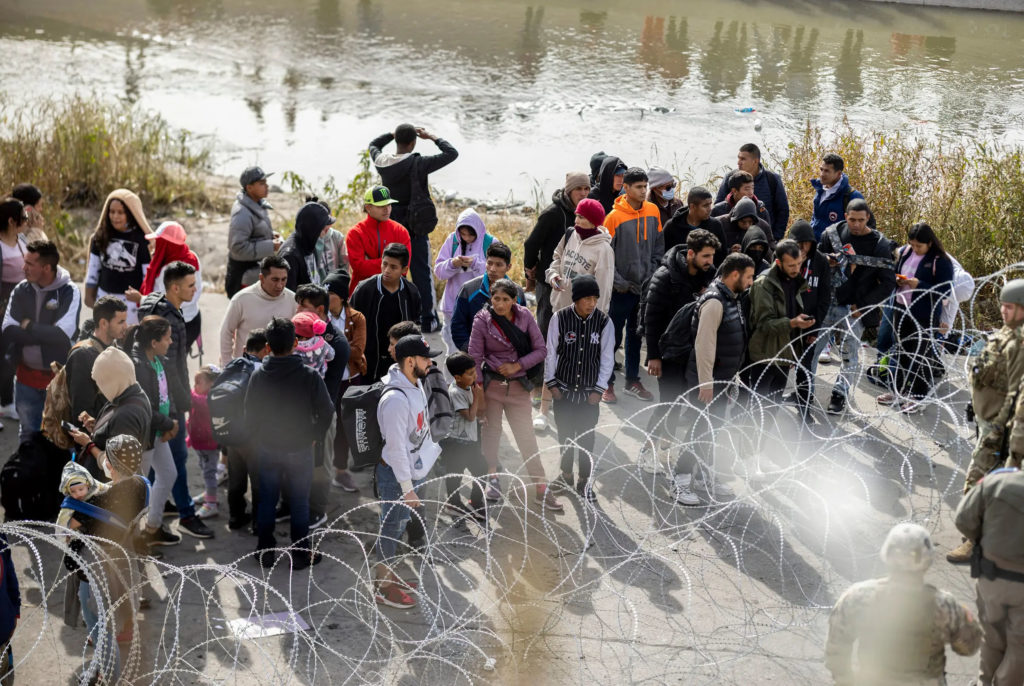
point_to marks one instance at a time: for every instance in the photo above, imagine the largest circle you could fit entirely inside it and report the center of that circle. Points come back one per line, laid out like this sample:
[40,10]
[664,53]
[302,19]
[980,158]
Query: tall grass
[77,149]
[972,194]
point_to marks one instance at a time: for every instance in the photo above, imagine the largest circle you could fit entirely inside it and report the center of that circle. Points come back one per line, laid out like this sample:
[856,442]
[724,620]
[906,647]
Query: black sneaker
[193,526]
[791,399]
[236,523]
[170,509]
[159,536]
[283,514]
[561,484]
[317,519]
[837,405]
[303,560]
[617,366]
[266,558]
[586,491]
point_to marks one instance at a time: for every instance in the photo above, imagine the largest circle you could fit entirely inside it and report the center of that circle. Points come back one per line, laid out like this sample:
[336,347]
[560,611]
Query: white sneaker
[716,489]
[207,510]
[647,460]
[222,474]
[684,494]
[9,412]
[826,354]
[540,422]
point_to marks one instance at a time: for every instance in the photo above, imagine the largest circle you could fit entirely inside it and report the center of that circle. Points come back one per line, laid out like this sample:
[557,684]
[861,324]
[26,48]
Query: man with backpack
[180,286]
[226,401]
[708,339]
[287,411]
[684,274]
[406,174]
[39,325]
[409,453]
[110,318]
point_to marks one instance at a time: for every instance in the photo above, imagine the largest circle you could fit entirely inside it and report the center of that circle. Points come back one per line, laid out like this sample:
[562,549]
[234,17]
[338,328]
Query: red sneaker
[637,390]
[392,595]
[609,396]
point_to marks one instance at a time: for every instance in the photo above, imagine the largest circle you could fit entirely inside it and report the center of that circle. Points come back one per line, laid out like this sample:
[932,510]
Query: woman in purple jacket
[509,351]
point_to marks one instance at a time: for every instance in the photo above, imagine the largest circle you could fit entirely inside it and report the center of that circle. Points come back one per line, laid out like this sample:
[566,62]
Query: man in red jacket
[365,242]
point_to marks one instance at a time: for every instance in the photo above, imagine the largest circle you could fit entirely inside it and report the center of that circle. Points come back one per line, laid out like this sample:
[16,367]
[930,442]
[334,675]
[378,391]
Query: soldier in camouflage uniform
[901,625]
[995,376]
[991,515]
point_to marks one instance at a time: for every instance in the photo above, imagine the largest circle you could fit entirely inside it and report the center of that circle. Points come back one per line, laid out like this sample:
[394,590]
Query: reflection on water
[282,82]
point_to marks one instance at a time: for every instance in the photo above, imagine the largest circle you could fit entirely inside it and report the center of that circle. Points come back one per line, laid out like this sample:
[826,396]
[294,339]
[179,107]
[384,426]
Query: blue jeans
[179,451]
[294,471]
[110,659]
[622,310]
[423,277]
[394,515]
[886,332]
[852,330]
[28,403]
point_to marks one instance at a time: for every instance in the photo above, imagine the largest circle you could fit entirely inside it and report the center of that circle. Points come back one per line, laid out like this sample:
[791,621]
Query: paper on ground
[273,624]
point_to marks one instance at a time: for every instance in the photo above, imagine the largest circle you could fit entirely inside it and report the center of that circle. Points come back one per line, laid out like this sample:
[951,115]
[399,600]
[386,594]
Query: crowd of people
[719,292]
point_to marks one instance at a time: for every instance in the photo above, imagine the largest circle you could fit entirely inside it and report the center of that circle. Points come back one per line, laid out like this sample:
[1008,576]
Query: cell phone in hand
[69,427]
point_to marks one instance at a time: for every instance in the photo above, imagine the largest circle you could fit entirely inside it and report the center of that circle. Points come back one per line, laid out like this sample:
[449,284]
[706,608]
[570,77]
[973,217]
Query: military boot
[962,554]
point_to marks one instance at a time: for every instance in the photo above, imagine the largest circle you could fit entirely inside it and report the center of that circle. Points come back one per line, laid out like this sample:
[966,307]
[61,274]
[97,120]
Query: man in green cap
[995,376]
[365,242]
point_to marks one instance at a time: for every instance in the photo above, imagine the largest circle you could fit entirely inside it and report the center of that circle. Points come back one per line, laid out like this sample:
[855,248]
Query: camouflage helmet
[1013,292]
[908,549]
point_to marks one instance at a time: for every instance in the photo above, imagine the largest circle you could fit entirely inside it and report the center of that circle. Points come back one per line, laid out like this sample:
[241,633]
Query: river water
[525,91]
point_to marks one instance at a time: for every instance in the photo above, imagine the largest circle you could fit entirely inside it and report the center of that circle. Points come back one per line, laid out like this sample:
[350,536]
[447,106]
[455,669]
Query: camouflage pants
[1001,611]
[987,454]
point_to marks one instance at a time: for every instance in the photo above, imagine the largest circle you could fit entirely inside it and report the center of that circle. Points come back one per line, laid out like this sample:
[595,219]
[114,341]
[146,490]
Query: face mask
[668,194]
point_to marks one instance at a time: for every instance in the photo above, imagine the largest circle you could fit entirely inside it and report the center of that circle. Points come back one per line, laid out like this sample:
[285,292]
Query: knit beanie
[584,286]
[337,282]
[113,372]
[591,210]
[307,325]
[656,176]
[125,454]
[574,180]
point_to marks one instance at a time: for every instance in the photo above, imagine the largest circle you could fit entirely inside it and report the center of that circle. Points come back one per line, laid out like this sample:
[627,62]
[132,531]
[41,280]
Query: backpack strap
[99,513]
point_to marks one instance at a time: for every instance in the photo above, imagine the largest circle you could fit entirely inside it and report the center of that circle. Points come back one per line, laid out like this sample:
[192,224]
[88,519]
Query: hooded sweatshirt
[250,308]
[396,172]
[52,312]
[638,242]
[756,237]
[128,410]
[731,229]
[454,277]
[815,271]
[365,243]
[575,257]
[287,406]
[300,248]
[768,187]
[604,191]
[405,424]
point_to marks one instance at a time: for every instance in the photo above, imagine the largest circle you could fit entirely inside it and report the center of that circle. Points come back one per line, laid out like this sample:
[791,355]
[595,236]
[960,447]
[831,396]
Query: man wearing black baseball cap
[250,235]
[409,453]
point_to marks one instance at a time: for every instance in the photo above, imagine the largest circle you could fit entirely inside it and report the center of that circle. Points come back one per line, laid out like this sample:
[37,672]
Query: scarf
[520,341]
[165,253]
[584,234]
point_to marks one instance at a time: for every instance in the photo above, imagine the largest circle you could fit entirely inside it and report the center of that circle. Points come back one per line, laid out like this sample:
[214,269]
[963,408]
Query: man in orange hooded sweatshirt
[365,242]
[639,244]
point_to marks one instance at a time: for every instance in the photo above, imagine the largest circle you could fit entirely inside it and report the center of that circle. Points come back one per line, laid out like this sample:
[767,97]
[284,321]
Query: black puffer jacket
[177,355]
[550,228]
[670,289]
[678,228]
[815,271]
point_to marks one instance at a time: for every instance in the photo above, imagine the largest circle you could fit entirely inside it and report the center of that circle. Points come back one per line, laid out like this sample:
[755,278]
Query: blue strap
[95,512]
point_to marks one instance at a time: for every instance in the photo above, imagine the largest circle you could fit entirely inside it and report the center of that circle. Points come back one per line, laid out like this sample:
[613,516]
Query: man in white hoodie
[254,306]
[409,453]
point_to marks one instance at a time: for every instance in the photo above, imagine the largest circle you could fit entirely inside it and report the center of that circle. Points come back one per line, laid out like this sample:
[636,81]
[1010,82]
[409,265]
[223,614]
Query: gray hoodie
[405,424]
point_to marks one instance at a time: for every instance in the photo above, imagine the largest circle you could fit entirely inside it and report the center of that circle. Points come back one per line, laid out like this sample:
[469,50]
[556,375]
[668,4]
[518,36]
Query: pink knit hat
[308,325]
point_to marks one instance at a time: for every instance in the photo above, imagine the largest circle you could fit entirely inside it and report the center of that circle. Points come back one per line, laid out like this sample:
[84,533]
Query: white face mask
[668,194]
[106,468]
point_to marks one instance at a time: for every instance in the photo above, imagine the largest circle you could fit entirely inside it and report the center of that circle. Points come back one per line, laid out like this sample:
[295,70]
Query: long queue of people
[714,289]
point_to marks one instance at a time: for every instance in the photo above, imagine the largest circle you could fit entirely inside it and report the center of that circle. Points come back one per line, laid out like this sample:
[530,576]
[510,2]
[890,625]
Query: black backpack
[359,422]
[30,480]
[677,342]
[421,215]
[226,400]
